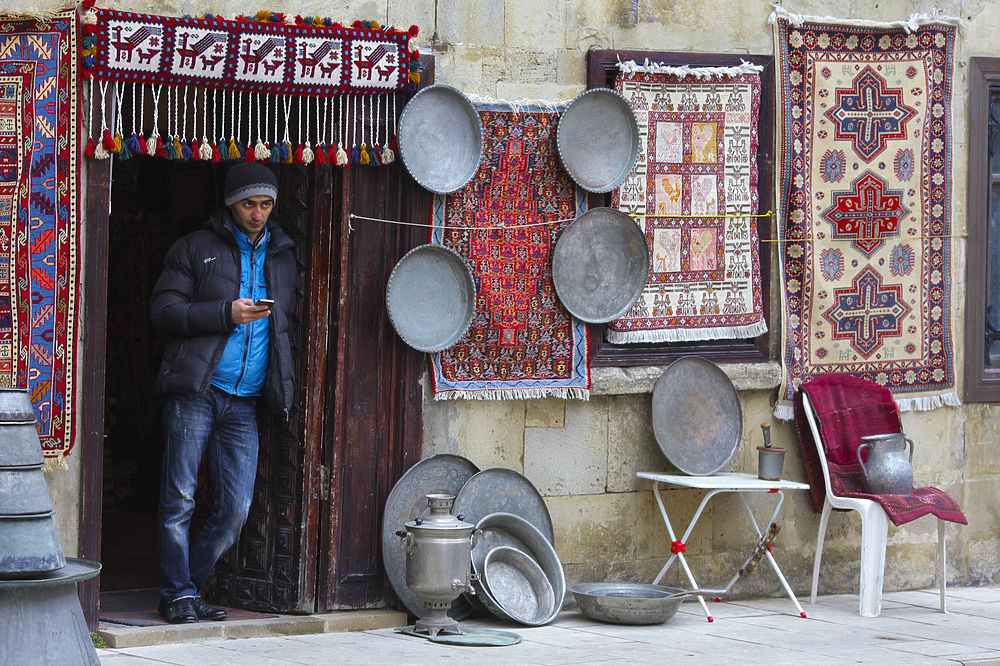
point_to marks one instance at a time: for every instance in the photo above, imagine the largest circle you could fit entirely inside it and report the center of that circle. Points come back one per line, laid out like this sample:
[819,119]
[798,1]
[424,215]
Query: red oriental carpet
[522,343]
[39,219]
[864,198]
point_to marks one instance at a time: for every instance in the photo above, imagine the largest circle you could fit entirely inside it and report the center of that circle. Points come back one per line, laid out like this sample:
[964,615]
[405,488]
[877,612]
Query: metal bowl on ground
[506,529]
[431,298]
[600,265]
[30,546]
[598,140]
[519,586]
[440,139]
[19,445]
[697,418]
[628,603]
[15,406]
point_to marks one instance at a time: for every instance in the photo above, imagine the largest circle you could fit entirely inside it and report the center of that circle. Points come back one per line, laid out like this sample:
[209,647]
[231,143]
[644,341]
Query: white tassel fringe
[687,335]
[632,67]
[912,24]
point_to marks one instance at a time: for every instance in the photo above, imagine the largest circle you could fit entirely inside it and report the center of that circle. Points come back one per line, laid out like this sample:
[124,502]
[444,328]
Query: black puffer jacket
[192,308]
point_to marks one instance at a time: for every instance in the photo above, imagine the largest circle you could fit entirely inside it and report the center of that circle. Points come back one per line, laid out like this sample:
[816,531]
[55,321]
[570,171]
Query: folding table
[743,485]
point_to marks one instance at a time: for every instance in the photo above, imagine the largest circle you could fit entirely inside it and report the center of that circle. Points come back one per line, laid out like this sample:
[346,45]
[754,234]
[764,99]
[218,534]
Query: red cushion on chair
[848,408]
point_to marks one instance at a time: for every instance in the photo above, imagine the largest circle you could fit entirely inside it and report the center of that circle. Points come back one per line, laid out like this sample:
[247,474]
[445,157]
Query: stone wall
[583,455]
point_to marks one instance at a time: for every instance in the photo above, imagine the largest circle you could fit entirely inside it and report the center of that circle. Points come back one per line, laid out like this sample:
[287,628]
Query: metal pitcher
[889,471]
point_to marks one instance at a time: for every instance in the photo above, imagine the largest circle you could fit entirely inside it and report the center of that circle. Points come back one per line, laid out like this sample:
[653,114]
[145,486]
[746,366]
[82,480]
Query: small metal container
[438,555]
[23,491]
[770,462]
[30,546]
[19,445]
[15,406]
[519,586]
[888,470]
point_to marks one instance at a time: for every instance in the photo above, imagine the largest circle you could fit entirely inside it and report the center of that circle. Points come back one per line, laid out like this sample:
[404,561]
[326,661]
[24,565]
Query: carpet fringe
[912,24]
[632,67]
[514,394]
[687,335]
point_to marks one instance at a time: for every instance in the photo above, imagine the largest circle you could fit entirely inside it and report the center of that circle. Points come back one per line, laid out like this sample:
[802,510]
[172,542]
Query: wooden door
[273,566]
[375,424]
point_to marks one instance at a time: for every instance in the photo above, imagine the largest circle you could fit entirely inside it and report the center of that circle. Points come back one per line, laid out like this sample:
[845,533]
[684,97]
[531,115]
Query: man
[224,303]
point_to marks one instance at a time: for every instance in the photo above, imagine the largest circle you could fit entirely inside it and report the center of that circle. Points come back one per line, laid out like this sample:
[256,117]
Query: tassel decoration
[355,156]
[151,145]
[132,143]
[260,151]
[341,156]
[159,147]
[307,154]
[377,155]
[107,140]
[91,147]
[331,154]
[298,154]
[363,158]
[287,153]
[117,143]
[206,150]
[216,153]
[186,151]
[388,154]
[321,154]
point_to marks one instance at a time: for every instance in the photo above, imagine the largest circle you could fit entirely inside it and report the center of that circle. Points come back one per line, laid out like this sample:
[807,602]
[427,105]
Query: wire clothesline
[355,216]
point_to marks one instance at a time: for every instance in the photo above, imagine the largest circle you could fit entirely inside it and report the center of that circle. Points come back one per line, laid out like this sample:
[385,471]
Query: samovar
[438,558]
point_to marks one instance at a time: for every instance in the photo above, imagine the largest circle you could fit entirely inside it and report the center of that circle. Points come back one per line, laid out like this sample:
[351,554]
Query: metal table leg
[678,554]
[767,553]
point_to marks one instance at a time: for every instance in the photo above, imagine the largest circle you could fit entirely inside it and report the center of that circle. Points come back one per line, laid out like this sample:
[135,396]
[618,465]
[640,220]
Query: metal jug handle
[910,442]
[857,451]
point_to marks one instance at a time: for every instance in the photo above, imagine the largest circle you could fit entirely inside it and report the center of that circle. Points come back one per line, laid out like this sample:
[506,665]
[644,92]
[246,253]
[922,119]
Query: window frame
[981,384]
[602,67]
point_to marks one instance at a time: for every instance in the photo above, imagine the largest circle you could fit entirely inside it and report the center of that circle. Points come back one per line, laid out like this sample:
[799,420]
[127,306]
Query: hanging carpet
[39,220]
[865,190]
[692,191]
[522,343]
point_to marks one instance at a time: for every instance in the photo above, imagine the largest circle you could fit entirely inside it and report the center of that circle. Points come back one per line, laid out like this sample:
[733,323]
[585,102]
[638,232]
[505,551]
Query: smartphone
[266,302]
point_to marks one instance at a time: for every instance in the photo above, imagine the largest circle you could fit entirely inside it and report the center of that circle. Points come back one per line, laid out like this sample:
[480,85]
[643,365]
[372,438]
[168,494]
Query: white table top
[728,481]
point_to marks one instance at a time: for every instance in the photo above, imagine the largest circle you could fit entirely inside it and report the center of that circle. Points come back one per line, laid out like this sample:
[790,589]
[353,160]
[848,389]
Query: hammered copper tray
[431,297]
[600,265]
[598,140]
[443,473]
[697,418]
[440,139]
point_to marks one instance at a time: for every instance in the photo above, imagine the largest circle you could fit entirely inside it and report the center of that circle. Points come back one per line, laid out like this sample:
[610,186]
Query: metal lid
[600,265]
[880,438]
[440,139]
[431,298]
[598,140]
[440,517]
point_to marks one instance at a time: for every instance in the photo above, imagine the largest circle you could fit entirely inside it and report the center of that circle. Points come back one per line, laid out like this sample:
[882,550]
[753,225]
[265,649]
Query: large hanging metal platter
[598,140]
[440,139]
[443,473]
[500,490]
[600,265]
[697,418]
[431,297]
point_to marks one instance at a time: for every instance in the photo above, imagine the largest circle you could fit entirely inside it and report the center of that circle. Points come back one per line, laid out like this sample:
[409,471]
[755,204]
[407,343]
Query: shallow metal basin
[519,586]
[628,603]
[598,140]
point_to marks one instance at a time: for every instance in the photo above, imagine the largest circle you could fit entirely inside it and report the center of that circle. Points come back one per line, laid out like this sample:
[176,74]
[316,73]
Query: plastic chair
[874,532]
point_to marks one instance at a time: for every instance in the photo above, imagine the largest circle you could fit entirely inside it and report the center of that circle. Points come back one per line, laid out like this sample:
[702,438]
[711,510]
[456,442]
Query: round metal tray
[431,298]
[503,490]
[697,418]
[598,140]
[443,473]
[600,265]
[519,586]
[440,139]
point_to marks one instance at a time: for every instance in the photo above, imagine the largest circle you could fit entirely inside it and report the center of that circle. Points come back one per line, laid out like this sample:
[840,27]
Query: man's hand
[244,311]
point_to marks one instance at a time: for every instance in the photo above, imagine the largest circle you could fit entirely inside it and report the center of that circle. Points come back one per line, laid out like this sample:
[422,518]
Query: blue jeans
[225,427]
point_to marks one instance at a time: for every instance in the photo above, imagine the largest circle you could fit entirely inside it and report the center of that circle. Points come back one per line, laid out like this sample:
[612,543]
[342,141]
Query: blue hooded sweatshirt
[242,370]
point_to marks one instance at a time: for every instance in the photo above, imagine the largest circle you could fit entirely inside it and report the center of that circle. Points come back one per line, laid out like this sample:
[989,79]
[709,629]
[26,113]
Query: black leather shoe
[179,611]
[206,612]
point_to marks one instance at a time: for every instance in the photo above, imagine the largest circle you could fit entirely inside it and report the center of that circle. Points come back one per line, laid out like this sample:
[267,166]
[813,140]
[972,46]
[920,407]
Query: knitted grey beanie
[249,179]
